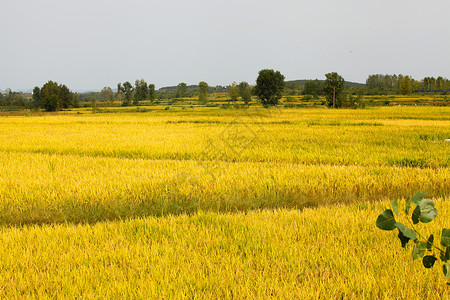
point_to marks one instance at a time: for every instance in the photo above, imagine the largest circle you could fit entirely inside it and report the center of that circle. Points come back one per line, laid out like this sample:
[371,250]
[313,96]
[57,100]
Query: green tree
[406,85]
[93,104]
[151,92]
[245,93]
[440,83]
[65,96]
[140,91]
[76,100]
[333,88]
[426,83]
[202,91]
[127,90]
[107,94]
[37,99]
[49,96]
[233,91]
[119,94]
[269,87]
[181,90]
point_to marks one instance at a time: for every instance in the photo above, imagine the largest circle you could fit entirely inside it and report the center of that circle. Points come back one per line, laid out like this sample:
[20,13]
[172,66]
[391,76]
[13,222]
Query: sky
[90,44]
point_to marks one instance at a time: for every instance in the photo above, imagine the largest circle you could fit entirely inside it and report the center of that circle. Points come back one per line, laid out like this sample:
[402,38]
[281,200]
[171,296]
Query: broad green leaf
[395,206]
[408,205]
[419,250]
[408,232]
[417,198]
[416,215]
[427,211]
[430,242]
[445,240]
[428,261]
[386,220]
[446,255]
[403,239]
[446,270]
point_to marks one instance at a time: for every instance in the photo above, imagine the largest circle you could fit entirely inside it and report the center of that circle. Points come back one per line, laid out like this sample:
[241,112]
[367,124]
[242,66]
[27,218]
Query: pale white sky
[89,44]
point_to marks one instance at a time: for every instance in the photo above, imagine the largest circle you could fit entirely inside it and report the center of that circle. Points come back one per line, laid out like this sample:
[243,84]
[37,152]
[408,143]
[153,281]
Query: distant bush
[294,105]
[411,162]
[289,99]
[307,97]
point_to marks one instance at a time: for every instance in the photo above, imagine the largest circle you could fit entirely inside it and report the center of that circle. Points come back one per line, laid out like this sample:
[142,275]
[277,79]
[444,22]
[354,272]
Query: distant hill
[25,91]
[193,89]
[173,89]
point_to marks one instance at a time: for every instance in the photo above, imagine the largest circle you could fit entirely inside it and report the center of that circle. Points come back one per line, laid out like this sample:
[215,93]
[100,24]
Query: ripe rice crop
[214,203]
[331,252]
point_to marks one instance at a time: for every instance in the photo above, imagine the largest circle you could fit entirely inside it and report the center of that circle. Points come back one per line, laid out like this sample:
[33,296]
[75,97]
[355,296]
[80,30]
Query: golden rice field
[213,203]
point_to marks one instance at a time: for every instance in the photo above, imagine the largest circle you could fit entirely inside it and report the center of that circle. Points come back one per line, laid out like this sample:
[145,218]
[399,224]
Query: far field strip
[42,188]
[130,156]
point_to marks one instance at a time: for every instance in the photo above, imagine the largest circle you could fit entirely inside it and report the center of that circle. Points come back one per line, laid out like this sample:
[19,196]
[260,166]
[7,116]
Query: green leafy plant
[426,249]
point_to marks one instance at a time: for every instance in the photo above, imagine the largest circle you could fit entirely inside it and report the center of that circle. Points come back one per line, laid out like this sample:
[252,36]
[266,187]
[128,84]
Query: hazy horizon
[91,44]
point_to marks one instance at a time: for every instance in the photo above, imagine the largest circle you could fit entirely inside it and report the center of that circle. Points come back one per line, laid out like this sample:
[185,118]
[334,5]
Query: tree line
[404,84]
[12,100]
[376,84]
[270,87]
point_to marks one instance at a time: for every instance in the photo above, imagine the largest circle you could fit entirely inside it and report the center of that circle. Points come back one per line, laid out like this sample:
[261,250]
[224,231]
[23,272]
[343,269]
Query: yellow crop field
[322,253]
[217,203]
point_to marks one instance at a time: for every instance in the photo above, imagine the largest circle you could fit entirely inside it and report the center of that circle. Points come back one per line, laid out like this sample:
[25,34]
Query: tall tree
[127,90]
[181,90]
[119,94]
[76,100]
[233,91]
[140,91]
[65,96]
[244,92]
[333,88]
[37,99]
[107,94]
[439,83]
[202,91]
[49,96]
[406,85]
[151,92]
[269,87]
[426,83]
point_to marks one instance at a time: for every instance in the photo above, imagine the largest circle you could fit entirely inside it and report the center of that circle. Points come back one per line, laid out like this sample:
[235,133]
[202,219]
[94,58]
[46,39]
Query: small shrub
[289,99]
[411,162]
[212,105]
